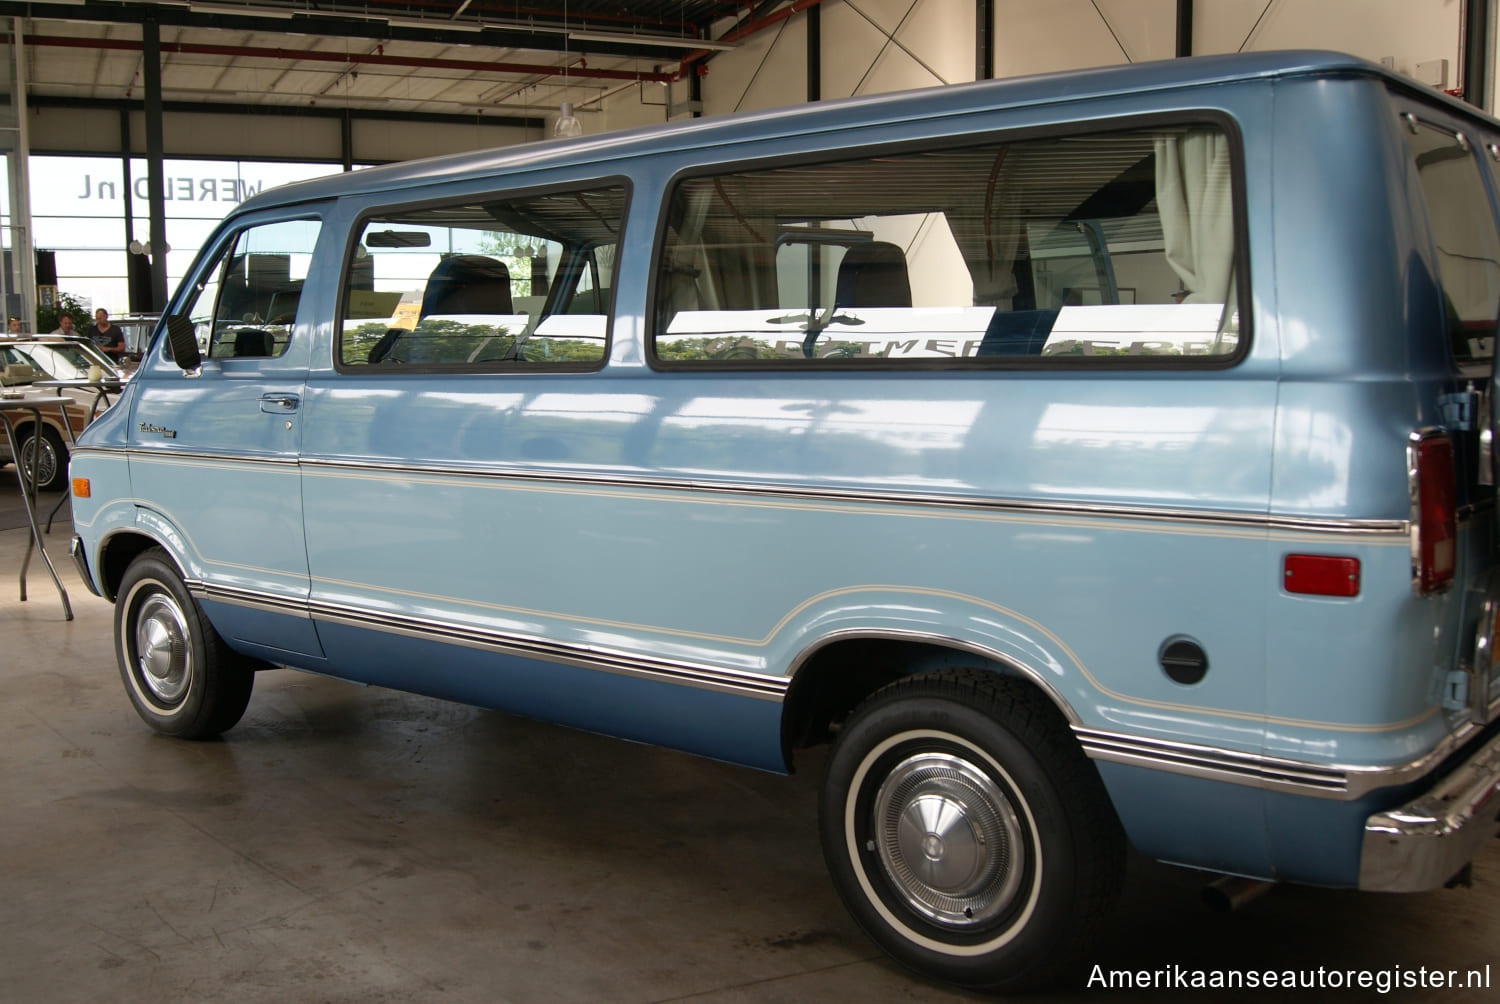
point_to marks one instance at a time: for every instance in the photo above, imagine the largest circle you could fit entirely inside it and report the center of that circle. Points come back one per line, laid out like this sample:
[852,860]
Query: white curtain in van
[987,223]
[1193,196]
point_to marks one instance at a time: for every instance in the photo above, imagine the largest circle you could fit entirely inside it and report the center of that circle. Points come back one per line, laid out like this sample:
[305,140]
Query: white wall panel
[1146,29]
[851,43]
[768,71]
[940,34]
[781,78]
[1409,31]
[383,141]
[894,69]
[1039,36]
[273,137]
[73,130]
[876,46]
[1036,36]
[626,108]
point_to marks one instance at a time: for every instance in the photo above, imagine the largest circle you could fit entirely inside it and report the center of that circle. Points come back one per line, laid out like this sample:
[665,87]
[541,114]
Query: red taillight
[1320,575]
[1435,511]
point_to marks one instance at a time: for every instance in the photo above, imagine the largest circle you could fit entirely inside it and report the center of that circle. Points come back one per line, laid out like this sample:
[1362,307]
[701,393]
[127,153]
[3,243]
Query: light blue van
[1090,458]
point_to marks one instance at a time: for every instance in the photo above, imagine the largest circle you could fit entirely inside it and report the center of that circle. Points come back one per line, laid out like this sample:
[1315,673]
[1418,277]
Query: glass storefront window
[78,210]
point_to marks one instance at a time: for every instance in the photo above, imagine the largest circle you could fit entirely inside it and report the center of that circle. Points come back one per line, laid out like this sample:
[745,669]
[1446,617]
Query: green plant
[47,317]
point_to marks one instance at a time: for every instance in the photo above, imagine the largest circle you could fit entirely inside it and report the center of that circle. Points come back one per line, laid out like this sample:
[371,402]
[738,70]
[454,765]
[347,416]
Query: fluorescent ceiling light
[407,22]
[335,101]
[535,29]
[635,39]
[508,109]
[341,15]
[200,91]
[225,8]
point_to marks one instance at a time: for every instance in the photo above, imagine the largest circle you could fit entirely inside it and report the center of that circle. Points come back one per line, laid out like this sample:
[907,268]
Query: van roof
[831,115]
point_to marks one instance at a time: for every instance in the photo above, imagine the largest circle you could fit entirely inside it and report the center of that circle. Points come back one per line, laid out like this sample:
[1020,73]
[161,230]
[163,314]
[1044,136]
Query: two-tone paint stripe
[740,683]
[1207,521]
[1216,763]
[1236,767]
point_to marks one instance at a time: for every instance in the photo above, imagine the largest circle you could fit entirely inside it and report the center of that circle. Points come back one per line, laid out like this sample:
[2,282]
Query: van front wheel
[967,832]
[182,678]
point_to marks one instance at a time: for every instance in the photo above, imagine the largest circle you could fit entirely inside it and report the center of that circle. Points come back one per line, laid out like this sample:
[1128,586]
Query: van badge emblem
[165,433]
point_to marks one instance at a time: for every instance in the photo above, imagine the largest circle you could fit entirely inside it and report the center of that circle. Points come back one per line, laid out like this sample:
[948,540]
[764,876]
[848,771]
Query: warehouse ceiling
[430,57]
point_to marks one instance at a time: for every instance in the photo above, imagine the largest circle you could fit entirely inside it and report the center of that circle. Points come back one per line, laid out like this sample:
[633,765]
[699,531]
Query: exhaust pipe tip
[1230,892]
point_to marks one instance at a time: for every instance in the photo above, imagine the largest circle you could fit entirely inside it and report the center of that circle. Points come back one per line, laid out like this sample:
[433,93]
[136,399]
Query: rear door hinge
[1459,408]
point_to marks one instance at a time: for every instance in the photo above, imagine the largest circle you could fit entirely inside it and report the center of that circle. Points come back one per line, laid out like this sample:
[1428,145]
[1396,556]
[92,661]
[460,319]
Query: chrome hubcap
[161,648]
[949,839]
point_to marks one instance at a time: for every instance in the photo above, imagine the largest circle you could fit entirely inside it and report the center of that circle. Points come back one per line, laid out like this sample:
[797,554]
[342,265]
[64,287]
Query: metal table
[32,404]
[101,390]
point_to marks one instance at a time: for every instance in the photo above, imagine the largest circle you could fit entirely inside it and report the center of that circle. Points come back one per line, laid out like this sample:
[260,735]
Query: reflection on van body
[1084,472]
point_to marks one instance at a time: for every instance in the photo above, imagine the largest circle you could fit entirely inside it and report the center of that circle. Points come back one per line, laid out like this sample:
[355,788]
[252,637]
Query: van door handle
[278,404]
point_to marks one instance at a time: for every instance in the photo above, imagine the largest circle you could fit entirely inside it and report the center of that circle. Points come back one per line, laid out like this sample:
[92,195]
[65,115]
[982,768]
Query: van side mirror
[184,343]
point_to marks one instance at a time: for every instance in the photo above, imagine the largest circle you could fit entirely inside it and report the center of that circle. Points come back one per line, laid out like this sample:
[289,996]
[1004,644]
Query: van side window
[1116,245]
[481,285]
[247,305]
[1463,229]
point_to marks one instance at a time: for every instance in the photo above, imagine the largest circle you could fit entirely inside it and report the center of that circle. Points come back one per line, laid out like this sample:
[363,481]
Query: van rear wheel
[967,832]
[182,678]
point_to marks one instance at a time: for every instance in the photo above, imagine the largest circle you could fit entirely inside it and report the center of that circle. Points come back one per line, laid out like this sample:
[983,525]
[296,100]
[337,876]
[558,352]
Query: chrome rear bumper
[1424,843]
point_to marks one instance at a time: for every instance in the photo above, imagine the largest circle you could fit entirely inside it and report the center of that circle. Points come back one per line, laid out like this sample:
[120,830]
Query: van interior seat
[873,275]
[251,342]
[467,284]
[282,308]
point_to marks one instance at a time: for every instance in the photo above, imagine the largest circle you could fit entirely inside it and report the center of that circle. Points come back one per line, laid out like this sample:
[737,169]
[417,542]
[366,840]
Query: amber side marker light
[80,488]
[1320,575]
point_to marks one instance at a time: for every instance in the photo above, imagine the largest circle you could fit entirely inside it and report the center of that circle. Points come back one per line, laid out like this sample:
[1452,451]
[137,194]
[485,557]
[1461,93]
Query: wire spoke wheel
[49,472]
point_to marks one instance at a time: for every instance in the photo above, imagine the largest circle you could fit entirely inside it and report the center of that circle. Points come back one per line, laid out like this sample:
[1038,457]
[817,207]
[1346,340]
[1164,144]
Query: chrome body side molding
[1333,781]
[738,682]
[1226,520]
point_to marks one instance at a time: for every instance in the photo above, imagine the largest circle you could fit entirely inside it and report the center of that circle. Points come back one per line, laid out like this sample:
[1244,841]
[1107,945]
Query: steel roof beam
[326,56]
[329,111]
[543,38]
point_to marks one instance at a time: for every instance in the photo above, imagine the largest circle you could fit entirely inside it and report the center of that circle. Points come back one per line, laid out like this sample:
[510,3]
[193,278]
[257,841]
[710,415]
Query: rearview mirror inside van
[398,239]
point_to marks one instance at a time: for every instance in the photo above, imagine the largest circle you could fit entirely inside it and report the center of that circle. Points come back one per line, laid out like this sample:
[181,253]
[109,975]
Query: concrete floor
[349,844]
